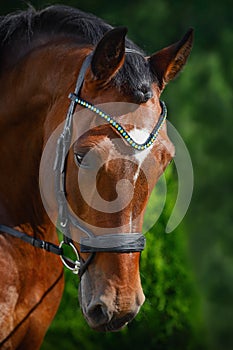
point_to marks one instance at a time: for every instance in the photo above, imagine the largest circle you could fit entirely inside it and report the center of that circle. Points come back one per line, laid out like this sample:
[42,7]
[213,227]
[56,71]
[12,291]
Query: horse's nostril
[98,314]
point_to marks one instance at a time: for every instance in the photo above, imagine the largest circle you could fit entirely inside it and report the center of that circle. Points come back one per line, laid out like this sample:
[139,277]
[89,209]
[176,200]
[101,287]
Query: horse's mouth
[115,325]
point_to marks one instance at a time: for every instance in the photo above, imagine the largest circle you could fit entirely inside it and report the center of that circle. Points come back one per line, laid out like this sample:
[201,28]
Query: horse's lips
[116,324]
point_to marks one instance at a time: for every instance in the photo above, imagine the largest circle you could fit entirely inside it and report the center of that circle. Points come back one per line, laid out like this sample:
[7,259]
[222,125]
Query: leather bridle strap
[48,246]
[35,242]
[115,243]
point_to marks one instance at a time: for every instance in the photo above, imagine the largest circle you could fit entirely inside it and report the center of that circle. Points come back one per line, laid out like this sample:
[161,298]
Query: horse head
[108,179]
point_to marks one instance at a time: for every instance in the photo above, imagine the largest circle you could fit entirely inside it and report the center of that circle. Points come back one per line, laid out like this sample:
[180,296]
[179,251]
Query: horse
[41,55]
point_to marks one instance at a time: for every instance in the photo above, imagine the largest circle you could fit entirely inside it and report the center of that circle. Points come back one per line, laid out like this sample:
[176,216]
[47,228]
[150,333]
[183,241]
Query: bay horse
[41,55]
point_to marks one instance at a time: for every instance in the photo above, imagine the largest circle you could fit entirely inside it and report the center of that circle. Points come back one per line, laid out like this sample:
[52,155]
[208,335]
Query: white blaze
[139,136]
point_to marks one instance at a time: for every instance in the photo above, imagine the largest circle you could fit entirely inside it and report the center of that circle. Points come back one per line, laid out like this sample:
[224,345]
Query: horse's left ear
[167,63]
[109,54]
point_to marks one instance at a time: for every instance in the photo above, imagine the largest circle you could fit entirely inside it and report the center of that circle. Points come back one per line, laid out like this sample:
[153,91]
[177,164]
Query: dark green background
[187,275]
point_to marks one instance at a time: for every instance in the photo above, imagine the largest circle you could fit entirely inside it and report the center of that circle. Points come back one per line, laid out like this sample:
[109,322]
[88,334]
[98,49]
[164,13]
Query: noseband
[117,243]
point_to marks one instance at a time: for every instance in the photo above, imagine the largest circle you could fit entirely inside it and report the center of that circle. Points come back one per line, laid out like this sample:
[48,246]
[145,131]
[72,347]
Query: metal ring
[76,264]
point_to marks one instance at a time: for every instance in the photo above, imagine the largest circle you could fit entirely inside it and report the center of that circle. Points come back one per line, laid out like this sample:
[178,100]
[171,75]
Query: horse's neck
[21,146]
[31,106]
[24,105]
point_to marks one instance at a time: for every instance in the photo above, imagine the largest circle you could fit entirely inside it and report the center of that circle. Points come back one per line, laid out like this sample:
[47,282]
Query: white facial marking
[139,136]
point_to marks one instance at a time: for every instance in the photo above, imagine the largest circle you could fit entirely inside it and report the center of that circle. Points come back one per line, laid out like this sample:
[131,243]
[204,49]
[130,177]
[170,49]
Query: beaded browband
[119,128]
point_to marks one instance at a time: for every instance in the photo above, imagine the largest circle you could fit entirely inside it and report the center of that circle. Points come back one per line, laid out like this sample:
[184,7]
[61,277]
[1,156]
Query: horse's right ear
[167,63]
[109,54]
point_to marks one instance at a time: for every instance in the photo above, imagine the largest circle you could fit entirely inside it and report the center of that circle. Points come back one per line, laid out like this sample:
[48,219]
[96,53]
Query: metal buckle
[72,265]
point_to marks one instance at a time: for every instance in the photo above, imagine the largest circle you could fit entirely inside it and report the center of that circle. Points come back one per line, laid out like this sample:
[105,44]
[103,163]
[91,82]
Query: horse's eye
[80,161]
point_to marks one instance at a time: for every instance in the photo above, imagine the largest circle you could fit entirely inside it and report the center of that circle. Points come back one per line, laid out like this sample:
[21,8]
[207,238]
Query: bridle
[117,243]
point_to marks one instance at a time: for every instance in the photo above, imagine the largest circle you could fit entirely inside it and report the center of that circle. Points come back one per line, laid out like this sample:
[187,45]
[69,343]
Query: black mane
[22,31]
[28,25]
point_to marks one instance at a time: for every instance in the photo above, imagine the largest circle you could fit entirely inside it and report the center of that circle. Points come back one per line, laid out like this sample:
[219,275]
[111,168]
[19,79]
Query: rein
[118,243]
